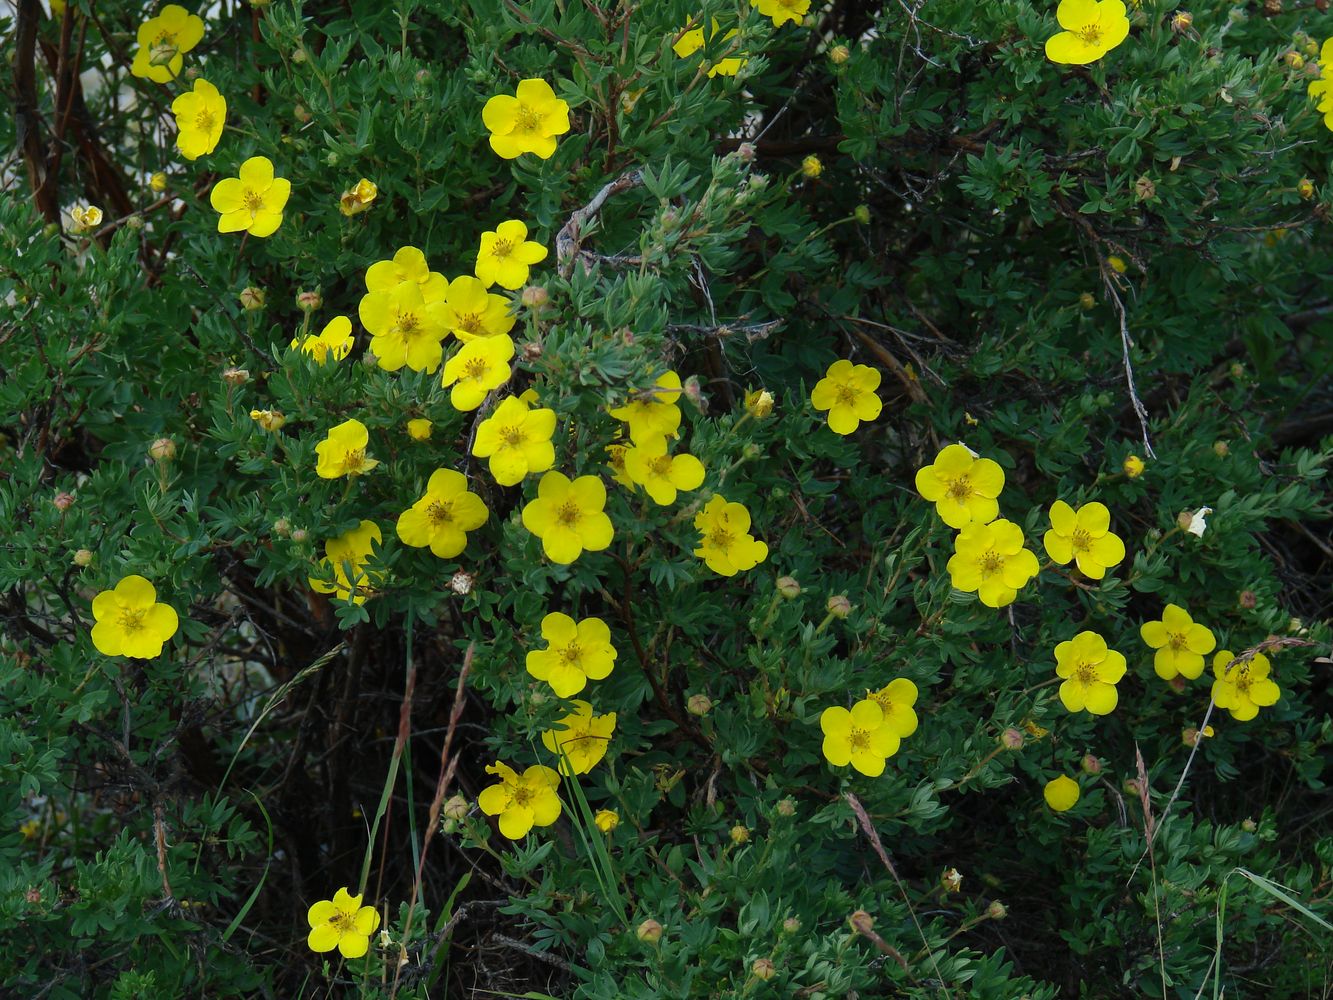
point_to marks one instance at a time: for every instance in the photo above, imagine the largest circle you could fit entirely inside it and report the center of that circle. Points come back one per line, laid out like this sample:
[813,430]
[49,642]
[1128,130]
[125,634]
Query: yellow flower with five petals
[581,737]
[990,559]
[342,923]
[471,311]
[516,439]
[442,518]
[662,475]
[129,621]
[1180,643]
[858,737]
[1092,28]
[1090,671]
[1084,537]
[962,486]
[163,41]
[251,202]
[726,545]
[479,366]
[847,392]
[343,451]
[522,801]
[200,116]
[1242,687]
[506,255]
[568,516]
[348,556]
[527,122]
[575,653]
[334,341]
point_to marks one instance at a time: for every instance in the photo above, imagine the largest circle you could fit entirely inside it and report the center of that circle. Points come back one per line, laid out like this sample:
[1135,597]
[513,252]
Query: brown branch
[569,238]
[28,134]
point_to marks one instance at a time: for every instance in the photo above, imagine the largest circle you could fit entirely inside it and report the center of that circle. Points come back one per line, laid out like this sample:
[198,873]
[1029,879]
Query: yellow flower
[442,518]
[991,560]
[895,700]
[616,463]
[516,440]
[1322,88]
[811,167]
[575,653]
[158,182]
[270,420]
[1061,793]
[1092,29]
[661,475]
[1091,672]
[1180,643]
[782,11]
[847,391]
[568,517]
[479,366]
[163,42]
[472,312]
[404,328]
[962,487]
[858,737]
[343,451]
[521,801]
[759,403]
[1085,537]
[581,737]
[1243,688]
[656,415]
[418,429]
[334,340]
[1117,264]
[606,820]
[506,255]
[727,546]
[85,217]
[407,266]
[692,40]
[130,622]
[358,197]
[1133,466]
[527,122]
[347,556]
[342,923]
[200,115]
[253,201]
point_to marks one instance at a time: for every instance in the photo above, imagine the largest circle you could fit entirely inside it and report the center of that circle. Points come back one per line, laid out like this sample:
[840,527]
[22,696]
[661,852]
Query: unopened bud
[282,527]
[309,301]
[862,214]
[1011,739]
[952,880]
[839,54]
[158,182]
[606,820]
[1249,825]
[763,968]
[63,501]
[252,298]
[299,535]
[1133,466]
[461,583]
[1090,764]
[456,807]
[699,704]
[838,606]
[811,167]
[649,932]
[787,807]
[759,403]
[1293,59]
[162,450]
[300,113]
[997,910]
[788,587]
[746,152]
[862,922]
[1221,449]
[1305,188]
[1086,301]
[740,834]
[418,429]
[235,376]
[83,557]
[1145,189]
[1181,21]
[1247,599]
[535,296]
[791,925]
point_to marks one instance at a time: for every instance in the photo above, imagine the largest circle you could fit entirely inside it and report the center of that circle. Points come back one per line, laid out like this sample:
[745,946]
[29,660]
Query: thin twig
[570,236]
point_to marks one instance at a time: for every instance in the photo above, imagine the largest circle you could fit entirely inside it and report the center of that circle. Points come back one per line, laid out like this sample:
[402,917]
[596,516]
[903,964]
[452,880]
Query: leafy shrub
[1109,279]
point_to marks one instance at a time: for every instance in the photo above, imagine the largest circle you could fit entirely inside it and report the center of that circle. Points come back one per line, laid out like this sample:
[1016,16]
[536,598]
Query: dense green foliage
[1023,249]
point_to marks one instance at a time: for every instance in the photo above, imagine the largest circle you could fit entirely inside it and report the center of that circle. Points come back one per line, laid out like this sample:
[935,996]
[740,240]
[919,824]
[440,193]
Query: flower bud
[1182,21]
[269,420]
[252,298]
[162,450]
[752,450]
[839,54]
[418,429]
[740,834]
[308,302]
[699,705]
[158,182]
[791,925]
[606,820]
[862,214]
[1293,59]
[746,152]
[1117,264]
[861,922]
[1249,825]
[997,910]
[811,167]
[1145,189]
[1086,301]
[763,968]
[63,501]
[759,403]
[1011,739]
[788,587]
[787,807]
[838,606]
[235,377]
[300,113]
[461,583]
[358,197]
[1305,188]
[282,527]
[1221,449]
[1247,599]
[456,808]
[1133,466]
[83,557]
[952,880]
[1090,764]
[535,296]
[649,932]
[299,535]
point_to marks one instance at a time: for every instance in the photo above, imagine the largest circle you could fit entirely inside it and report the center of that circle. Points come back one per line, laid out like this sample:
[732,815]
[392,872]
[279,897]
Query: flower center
[528,119]
[475,368]
[439,512]
[719,538]
[522,796]
[131,620]
[846,395]
[513,436]
[859,738]
[469,322]
[959,489]
[163,49]
[408,323]
[1177,641]
[1086,673]
[991,562]
[660,467]
[568,514]
[254,201]
[1090,34]
[1080,540]
[502,248]
[204,121]
[354,460]
[571,654]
